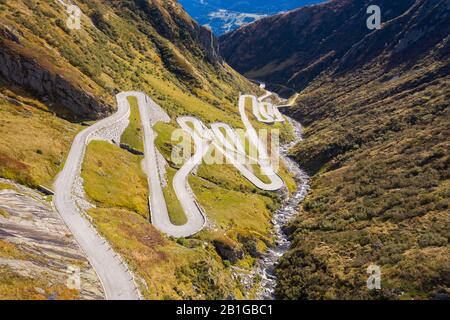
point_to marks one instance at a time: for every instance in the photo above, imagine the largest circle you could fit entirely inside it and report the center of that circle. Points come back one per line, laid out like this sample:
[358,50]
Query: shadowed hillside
[375,105]
[291,49]
[121,45]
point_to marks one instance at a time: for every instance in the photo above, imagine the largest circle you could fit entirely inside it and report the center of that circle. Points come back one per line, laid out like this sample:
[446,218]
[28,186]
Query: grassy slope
[112,181]
[239,213]
[122,53]
[17,287]
[164,142]
[233,210]
[113,178]
[285,132]
[132,136]
[158,261]
[176,213]
[33,142]
[379,151]
[221,179]
[220,190]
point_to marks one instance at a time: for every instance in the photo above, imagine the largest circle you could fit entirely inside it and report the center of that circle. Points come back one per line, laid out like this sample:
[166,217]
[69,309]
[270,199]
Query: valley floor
[228,239]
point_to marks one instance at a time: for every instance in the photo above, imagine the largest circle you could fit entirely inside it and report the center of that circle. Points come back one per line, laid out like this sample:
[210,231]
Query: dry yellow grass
[14,286]
[114,178]
[33,143]
[154,258]
[132,136]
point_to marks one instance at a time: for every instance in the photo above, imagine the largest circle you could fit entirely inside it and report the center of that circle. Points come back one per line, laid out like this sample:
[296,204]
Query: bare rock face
[228,251]
[210,43]
[293,48]
[36,248]
[172,22]
[53,88]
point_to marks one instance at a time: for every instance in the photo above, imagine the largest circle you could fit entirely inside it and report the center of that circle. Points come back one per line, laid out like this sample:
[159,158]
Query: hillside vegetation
[191,268]
[308,41]
[377,140]
[33,142]
[122,46]
[375,106]
[56,80]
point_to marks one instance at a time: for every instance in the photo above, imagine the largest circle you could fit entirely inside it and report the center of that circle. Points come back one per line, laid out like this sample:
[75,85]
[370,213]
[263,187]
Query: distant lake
[225,15]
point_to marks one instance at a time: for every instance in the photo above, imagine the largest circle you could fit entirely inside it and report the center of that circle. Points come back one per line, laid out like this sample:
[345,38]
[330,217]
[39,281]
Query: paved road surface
[278,116]
[260,112]
[114,276]
[266,111]
[151,113]
[269,113]
[117,281]
[231,147]
[265,96]
[291,102]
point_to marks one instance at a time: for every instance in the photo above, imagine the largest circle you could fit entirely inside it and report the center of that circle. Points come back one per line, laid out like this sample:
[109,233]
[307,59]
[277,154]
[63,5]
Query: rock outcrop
[173,23]
[69,100]
[228,250]
[37,249]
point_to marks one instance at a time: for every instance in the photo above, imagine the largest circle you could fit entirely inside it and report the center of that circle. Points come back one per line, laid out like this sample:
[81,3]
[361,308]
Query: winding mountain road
[116,280]
[261,113]
[265,96]
[267,112]
[230,145]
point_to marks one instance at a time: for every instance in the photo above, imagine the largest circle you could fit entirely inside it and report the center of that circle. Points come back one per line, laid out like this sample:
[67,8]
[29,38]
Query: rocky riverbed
[288,209]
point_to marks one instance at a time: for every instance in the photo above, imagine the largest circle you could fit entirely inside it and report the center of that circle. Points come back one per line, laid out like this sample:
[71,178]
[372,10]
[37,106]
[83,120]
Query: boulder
[227,250]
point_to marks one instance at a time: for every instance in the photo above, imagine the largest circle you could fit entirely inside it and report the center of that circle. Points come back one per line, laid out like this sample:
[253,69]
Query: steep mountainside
[75,73]
[375,105]
[226,15]
[292,48]
[78,70]
[54,81]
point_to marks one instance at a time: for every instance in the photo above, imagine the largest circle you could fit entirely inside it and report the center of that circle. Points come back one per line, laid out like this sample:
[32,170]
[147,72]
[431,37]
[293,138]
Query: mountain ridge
[311,39]
[376,115]
[188,51]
